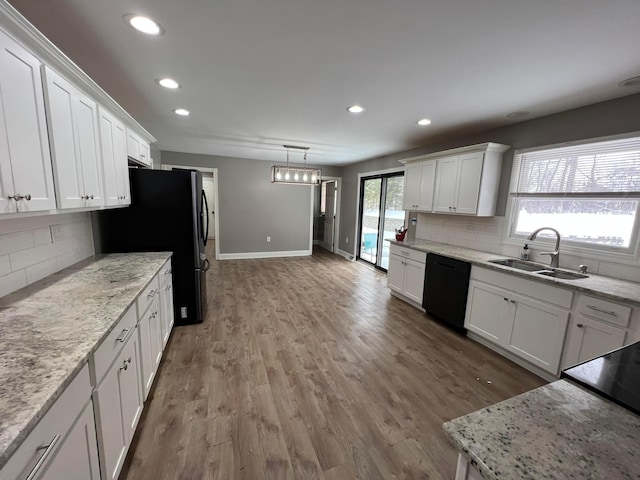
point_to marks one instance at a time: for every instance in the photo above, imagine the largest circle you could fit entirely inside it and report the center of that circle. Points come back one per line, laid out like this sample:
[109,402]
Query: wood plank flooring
[307,368]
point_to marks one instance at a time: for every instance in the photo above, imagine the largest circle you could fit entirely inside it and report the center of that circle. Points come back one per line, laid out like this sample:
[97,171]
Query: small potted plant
[400,233]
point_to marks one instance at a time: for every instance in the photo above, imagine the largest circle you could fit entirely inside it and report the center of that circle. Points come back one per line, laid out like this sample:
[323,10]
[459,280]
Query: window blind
[611,166]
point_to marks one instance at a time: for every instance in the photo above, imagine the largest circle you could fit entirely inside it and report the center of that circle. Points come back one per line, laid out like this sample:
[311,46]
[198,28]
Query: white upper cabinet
[461,181]
[26,180]
[419,179]
[138,149]
[113,145]
[73,132]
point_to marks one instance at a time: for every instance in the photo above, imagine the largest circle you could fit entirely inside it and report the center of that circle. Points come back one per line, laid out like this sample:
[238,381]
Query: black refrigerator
[168,212]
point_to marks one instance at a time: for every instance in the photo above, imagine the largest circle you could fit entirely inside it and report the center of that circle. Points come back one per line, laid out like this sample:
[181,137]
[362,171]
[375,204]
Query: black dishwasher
[446,285]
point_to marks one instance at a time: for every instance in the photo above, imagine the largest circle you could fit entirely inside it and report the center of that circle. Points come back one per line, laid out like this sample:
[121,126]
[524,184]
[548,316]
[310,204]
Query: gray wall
[251,207]
[621,115]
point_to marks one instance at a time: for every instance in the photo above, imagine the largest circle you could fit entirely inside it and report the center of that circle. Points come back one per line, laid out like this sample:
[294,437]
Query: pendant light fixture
[295,175]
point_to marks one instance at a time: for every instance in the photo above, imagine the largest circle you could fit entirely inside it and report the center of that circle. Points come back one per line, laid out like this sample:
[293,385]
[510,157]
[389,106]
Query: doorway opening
[379,216]
[327,214]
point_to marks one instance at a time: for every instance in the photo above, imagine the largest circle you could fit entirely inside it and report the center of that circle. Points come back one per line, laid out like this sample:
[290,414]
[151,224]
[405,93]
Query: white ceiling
[257,74]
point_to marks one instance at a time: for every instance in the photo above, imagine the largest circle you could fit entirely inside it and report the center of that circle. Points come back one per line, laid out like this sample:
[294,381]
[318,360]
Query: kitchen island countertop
[557,431]
[612,288]
[49,329]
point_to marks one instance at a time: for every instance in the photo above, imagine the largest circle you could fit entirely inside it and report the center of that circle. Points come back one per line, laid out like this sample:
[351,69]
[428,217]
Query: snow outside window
[589,192]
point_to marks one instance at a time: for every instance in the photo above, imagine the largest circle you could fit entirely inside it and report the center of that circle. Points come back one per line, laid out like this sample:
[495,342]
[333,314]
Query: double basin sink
[538,269]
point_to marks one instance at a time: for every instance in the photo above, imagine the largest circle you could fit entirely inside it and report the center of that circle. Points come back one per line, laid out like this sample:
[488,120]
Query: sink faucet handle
[583,269]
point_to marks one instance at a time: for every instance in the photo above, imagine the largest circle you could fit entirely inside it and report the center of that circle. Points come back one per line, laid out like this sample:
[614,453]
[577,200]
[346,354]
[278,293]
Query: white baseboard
[347,255]
[247,255]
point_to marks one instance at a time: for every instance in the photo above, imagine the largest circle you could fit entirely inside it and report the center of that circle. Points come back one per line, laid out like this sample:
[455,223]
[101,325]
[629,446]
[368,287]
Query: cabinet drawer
[33,454]
[538,290]
[147,296]
[165,273]
[604,310]
[409,253]
[111,346]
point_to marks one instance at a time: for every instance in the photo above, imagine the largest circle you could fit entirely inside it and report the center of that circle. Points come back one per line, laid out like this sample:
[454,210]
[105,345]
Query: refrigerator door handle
[205,234]
[207,265]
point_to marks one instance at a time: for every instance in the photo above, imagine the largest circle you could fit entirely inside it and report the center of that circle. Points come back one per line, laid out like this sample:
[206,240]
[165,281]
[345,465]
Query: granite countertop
[612,288]
[49,329]
[558,431]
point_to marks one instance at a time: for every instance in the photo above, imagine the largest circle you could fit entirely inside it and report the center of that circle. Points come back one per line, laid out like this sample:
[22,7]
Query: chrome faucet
[555,255]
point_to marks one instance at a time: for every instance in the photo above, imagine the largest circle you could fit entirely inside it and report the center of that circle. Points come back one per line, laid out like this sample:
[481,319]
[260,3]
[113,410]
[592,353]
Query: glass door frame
[383,176]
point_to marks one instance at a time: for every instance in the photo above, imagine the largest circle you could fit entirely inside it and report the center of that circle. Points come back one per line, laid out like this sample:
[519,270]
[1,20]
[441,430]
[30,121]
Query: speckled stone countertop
[613,288]
[558,431]
[49,329]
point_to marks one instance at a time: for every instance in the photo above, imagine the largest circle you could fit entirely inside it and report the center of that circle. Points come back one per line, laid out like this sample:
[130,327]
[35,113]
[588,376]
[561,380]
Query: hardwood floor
[307,368]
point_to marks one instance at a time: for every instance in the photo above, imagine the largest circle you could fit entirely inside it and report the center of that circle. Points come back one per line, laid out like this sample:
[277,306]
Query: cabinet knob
[27,197]
[124,366]
[512,301]
[91,197]
[579,325]
[505,299]
[152,294]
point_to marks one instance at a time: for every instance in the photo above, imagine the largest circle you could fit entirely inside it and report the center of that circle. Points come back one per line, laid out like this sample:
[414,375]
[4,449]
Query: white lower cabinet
[78,456]
[63,443]
[529,326]
[405,274]
[118,401]
[166,310]
[150,344]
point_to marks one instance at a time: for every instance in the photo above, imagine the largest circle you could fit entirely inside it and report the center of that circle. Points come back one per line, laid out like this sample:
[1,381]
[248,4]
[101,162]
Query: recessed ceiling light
[423,122]
[168,83]
[630,82]
[144,24]
[520,114]
[355,109]
[181,111]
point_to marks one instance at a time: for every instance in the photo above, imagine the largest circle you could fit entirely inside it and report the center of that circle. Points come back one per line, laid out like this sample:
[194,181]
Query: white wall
[34,247]
[487,234]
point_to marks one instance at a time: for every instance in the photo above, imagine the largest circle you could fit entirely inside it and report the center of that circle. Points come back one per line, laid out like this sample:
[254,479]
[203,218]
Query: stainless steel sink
[538,269]
[519,264]
[564,275]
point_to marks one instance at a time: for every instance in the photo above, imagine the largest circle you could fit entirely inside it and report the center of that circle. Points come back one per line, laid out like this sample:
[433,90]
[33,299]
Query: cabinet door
[445,192]
[395,273]
[114,159]
[538,332]
[426,187]
[145,153]
[488,312]
[133,145]
[150,345]
[411,187]
[62,135]
[88,147]
[77,457]
[468,183]
[413,280]
[25,159]
[166,311]
[590,338]
[118,408]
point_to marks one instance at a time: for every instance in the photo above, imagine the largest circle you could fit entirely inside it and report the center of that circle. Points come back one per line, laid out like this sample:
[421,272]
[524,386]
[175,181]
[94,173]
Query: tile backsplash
[487,233]
[32,248]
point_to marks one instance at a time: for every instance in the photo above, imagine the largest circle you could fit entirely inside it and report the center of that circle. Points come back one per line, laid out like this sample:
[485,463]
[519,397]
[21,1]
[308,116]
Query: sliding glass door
[380,215]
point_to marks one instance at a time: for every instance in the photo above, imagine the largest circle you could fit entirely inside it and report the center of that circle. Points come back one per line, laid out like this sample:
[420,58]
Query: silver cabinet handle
[17,197]
[151,294]
[91,197]
[168,288]
[47,451]
[142,155]
[124,366]
[608,312]
[505,299]
[27,197]
[124,335]
[579,325]
[167,271]
[512,301]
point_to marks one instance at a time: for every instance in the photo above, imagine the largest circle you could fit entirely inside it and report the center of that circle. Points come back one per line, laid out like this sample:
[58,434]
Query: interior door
[330,215]
[207,185]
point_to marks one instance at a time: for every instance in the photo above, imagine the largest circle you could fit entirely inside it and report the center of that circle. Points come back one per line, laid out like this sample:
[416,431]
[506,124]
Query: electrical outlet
[347,240]
[268,238]
[183,312]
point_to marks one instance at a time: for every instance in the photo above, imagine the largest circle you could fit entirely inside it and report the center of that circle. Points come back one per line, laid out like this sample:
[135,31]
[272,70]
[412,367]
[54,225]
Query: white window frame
[629,256]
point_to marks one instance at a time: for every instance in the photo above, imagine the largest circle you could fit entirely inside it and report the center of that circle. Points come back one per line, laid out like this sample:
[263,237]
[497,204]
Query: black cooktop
[615,376]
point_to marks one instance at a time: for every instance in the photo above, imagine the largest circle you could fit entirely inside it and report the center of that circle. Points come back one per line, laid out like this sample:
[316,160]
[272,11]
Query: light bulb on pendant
[278,175]
[313,178]
[296,177]
[287,176]
[305,177]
